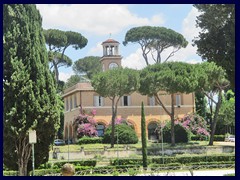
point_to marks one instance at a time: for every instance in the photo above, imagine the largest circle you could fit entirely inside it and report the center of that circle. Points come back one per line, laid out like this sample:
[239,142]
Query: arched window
[152,134]
[100,129]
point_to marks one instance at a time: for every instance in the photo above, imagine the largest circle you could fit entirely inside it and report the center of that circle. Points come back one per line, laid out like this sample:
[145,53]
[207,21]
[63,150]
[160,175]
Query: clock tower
[111,58]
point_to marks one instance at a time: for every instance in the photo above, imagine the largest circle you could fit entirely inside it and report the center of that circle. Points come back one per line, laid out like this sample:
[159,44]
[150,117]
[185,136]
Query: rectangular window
[71,103]
[126,100]
[75,101]
[152,101]
[178,100]
[66,105]
[98,101]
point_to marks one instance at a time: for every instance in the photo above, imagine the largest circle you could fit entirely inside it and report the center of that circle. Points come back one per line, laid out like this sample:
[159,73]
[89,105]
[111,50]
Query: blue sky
[97,21]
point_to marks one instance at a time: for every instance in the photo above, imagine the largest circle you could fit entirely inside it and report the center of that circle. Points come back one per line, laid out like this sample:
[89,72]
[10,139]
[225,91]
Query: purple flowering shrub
[85,124]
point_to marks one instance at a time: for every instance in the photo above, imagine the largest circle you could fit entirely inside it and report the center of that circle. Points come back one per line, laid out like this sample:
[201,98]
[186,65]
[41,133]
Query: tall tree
[30,100]
[89,65]
[201,104]
[171,78]
[212,78]
[144,138]
[58,41]
[74,79]
[216,41]
[155,40]
[114,84]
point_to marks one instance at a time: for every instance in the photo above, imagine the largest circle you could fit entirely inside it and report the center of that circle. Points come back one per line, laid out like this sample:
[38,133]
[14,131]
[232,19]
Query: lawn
[89,147]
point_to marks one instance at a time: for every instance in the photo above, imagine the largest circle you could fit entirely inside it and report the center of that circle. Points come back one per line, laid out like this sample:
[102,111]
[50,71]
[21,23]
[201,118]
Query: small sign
[32,137]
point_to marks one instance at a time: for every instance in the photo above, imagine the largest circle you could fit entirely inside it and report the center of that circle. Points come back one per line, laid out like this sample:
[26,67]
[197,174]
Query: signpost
[32,140]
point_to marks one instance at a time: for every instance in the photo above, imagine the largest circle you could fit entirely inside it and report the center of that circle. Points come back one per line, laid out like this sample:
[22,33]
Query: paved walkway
[195,173]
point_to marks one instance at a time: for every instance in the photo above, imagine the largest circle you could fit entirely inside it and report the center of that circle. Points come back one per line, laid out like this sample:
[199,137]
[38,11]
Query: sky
[99,22]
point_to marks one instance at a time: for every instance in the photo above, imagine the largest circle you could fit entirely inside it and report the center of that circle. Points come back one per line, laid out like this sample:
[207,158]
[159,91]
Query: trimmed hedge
[176,159]
[211,165]
[181,135]
[57,165]
[10,173]
[90,140]
[191,159]
[199,138]
[130,161]
[219,138]
[172,166]
[126,134]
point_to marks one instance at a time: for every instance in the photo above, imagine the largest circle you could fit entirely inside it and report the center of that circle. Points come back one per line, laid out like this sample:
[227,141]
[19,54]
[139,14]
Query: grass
[90,147]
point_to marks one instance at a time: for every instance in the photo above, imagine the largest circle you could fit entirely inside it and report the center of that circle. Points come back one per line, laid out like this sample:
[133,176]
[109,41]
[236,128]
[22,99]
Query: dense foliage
[30,100]
[58,41]
[89,65]
[155,40]
[124,134]
[114,84]
[217,20]
[181,134]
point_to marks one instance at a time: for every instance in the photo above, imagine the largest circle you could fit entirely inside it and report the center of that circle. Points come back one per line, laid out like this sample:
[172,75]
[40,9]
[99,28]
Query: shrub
[92,163]
[219,137]
[126,135]
[181,134]
[172,166]
[199,138]
[89,140]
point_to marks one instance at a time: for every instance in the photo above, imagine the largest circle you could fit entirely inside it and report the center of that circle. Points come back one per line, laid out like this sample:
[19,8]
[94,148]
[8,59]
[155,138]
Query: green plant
[123,133]
[133,172]
[181,135]
[89,140]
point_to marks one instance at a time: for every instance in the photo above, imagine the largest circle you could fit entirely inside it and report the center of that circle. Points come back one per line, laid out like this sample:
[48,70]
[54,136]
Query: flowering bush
[194,123]
[85,124]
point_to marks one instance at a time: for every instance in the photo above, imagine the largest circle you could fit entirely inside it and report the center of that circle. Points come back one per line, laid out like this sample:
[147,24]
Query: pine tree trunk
[114,114]
[213,127]
[172,122]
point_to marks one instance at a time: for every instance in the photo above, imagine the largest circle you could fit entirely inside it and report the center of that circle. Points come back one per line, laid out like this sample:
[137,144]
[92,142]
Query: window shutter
[129,100]
[96,100]
[178,100]
[102,101]
[152,101]
[70,102]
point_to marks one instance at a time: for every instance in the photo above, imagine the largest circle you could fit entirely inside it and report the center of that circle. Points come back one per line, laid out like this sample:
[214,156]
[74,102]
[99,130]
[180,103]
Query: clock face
[113,65]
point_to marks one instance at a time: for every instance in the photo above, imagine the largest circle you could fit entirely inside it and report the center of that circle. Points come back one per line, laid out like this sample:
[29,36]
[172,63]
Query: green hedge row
[10,173]
[211,165]
[90,140]
[170,166]
[176,159]
[219,137]
[130,161]
[57,165]
[199,138]
[194,158]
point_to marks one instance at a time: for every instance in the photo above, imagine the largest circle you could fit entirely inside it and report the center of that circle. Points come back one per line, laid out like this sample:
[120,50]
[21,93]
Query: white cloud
[189,29]
[96,51]
[134,60]
[65,76]
[99,19]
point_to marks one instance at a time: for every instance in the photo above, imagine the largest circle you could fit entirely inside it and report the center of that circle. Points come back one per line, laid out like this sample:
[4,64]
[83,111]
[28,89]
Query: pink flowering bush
[194,123]
[85,124]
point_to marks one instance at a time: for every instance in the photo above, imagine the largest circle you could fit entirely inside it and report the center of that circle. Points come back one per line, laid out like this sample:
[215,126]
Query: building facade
[129,106]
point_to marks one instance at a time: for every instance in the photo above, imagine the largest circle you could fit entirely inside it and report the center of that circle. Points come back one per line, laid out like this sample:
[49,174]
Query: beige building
[129,106]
